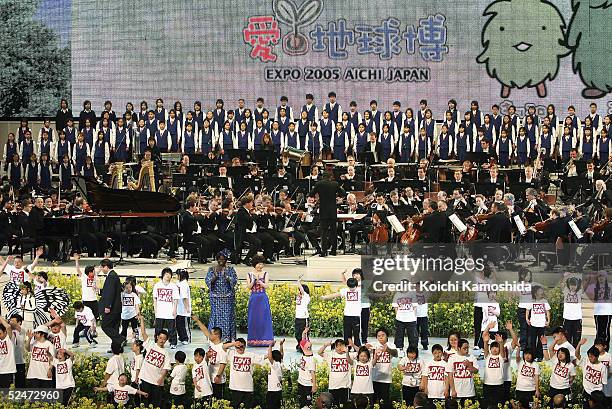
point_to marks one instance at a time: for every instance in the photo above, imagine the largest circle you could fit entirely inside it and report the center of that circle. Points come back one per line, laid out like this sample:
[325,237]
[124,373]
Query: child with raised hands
[412,367]
[338,361]
[495,357]
[594,373]
[307,372]
[64,380]
[274,396]
[563,370]
[216,356]
[120,393]
[362,381]
[528,378]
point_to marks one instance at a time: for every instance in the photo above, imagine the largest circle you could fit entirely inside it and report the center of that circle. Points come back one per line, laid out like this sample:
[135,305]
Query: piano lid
[104,199]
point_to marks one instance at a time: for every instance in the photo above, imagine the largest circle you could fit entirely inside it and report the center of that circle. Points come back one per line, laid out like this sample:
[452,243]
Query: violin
[380,233]
[543,225]
[471,233]
[600,225]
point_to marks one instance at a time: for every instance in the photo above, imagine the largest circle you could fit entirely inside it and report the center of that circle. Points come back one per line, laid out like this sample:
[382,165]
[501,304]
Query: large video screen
[505,51]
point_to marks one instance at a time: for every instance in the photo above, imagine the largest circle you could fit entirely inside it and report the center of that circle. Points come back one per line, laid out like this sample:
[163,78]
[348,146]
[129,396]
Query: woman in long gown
[260,333]
[221,281]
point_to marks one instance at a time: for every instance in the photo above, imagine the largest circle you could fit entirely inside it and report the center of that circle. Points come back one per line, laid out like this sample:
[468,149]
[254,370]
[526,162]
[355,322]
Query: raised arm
[143,329]
[77,257]
[299,284]
[515,340]
[580,344]
[331,296]
[203,327]
[321,351]
[39,252]
[548,351]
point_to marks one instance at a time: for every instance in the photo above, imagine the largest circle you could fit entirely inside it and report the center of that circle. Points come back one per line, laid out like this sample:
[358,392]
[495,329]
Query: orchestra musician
[353,227]
[373,148]
[193,232]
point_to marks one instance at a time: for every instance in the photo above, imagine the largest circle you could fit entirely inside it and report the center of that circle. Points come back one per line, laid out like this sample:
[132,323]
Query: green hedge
[325,316]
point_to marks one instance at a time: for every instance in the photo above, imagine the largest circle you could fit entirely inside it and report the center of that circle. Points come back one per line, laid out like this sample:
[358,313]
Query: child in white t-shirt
[202,388]
[538,318]
[301,311]
[307,372]
[352,309]
[605,358]
[594,373]
[165,303]
[460,370]
[242,365]
[135,366]
[412,368]
[494,366]
[563,370]
[527,378]
[338,362]
[115,366]
[42,352]
[121,392]
[385,351]
[216,357]
[86,322]
[433,377]
[155,365]
[490,313]
[178,375]
[362,370]
[572,310]
[274,397]
[130,309]
[64,379]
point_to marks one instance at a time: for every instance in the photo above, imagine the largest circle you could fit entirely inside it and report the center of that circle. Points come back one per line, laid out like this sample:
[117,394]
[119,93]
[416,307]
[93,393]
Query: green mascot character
[523,43]
[590,38]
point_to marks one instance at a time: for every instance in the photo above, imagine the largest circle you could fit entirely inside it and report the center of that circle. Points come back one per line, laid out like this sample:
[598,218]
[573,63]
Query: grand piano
[113,209]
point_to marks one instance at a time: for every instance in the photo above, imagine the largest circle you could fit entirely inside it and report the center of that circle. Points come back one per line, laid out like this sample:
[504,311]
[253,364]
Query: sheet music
[396,225]
[575,229]
[456,221]
[519,223]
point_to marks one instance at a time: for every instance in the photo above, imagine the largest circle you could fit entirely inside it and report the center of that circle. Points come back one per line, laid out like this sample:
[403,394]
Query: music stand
[448,186]
[384,186]
[237,153]
[266,158]
[518,190]
[486,189]
[218,182]
[236,172]
[182,180]
[199,158]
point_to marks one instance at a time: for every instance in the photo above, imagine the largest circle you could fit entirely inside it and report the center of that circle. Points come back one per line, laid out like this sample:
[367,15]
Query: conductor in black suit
[328,189]
[110,303]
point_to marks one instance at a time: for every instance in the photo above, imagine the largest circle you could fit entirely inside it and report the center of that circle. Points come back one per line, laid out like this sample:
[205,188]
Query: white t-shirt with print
[526,376]
[275,376]
[166,296]
[463,377]
[494,370]
[63,373]
[412,372]
[561,373]
[184,294]
[301,306]
[490,312]
[7,356]
[538,313]
[382,369]
[362,382]
[594,376]
[136,365]
[242,367]
[218,356]
[156,360]
[115,367]
[572,305]
[17,275]
[306,366]
[339,370]
[40,360]
[435,371]
[605,359]
[129,302]
[352,301]
[121,394]
[405,306]
[85,317]
[200,375]
[58,340]
[89,287]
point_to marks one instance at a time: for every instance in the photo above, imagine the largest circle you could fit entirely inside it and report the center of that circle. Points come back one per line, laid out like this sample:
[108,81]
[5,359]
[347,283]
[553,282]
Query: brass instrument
[146,178]
[116,171]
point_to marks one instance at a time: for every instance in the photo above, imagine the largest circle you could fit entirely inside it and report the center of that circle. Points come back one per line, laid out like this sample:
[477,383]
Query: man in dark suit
[110,303]
[193,232]
[373,150]
[246,231]
[434,225]
[328,190]
[498,227]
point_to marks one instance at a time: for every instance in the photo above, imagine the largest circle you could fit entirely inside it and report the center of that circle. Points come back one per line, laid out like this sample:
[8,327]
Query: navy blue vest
[161,139]
[546,143]
[604,150]
[89,135]
[489,132]
[361,140]
[70,135]
[152,127]
[121,139]
[15,174]
[310,111]
[406,141]
[258,115]
[313,143]
[476,118]
[333,112]
[292,139]
[462,141]
[370,126]
[444,144]
[226,138]
[32,173]
[386,141]
[521,145]
[66,172]
[206,140]
[45,175]
[50,132]
[142,139]
[172,127]
[587,148]
[421,147]
[258,135]
[27,149]
[81,155]
[326,129]
[198,117]
[277,137]
[239,116]
[189,142]
[107,133]
[497,123]
[354,119]
[283,124]
[63,148]
[45,147]
[430,129]
[100,152]
[89,171]
[302,129]
[21,134]
[451,127]
[243,140]
[218,118]
[11,149]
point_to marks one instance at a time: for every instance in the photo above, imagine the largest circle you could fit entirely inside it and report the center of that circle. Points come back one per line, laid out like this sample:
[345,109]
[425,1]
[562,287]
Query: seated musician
[555,228]
[309,224]
[245,231]
[315,175]
[513,208]
[254,179]
[459,179]
[528,177]
[349,180]
[374,148]
[88,232]
[459,204]
[398,205]
[601,197]
[434,228]
[497,228]
[494,176]
[223,174]
[283,178]
[290,168]
[380,208]
[37,216]
[390,175]
[412,198]
[193,232]
[591,175]
[423,181]
[491,154]
[269,226]
[354,226]
[480,207]
[466,170]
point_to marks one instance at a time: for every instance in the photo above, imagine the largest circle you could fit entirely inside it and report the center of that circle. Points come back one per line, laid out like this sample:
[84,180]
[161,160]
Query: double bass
[380,233]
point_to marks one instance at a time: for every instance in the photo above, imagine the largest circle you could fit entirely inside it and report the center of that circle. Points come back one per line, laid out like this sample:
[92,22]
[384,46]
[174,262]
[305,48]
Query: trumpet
[569,165]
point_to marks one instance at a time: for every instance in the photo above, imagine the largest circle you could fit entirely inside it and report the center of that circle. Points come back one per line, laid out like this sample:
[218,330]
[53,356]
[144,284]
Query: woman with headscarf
[221,281]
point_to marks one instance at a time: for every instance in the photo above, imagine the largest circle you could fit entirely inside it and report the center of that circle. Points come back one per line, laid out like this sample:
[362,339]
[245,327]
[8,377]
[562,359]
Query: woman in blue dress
[221,281]
[260,333]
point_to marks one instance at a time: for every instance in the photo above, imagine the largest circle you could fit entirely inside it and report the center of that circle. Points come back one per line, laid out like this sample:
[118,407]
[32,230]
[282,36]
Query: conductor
[328,189]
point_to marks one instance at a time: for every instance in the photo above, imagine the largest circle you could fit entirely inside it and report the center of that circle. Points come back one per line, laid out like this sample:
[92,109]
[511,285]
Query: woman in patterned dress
[221,281]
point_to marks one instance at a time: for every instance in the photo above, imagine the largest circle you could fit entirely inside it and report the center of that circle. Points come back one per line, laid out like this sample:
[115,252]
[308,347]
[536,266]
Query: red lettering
[538,309]
[494,363]
[128,301]
[412,367]
[352,296]
[61,368]
[57,342]
[16,276]
[460,371]
[383,357]
[199,373]
[528,371]
[212,356]
[561,371]
[164,294]
[339,365]
[3,348]
[121,396]
[592,375]
[242,364]
[156,358]
[362,370]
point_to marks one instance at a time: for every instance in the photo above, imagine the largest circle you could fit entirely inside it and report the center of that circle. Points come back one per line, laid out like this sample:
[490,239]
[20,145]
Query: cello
[412,233]
[380,233]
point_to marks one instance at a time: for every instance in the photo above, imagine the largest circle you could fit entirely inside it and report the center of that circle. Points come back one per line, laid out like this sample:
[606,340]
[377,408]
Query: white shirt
[538,313]
[305,368]
[572,305]
[85,317]
[435,371]
[605,359]
[89,288]
[156,360]
[421,305]
[199,374]
[165,295]
[463,378]
[339,370]
[494,370]
[58,340]
[412,371]
[301,306]
[382,369]
[184,294]
[114,367]
[594,376]
[17,275]
[362,383]
[63,373]
[178,375]
[7,356]
[241,370]
[526,376]
[405,307]
[525,296]
[218,356]
[275,377]
[570,348]
[352,301]
[121,394]
[561,373]
[490,311]
[135,365]
[129,301]
[39,360]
